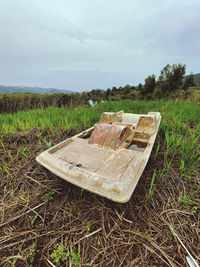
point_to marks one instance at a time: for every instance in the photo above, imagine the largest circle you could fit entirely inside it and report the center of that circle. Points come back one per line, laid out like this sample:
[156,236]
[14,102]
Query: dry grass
[41,214]
[39,208]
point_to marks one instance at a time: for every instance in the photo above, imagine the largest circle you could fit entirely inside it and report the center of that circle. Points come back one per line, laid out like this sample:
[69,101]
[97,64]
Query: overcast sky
[81,45]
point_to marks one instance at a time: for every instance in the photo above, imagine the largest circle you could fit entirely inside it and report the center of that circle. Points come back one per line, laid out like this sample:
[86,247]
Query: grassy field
[45,221]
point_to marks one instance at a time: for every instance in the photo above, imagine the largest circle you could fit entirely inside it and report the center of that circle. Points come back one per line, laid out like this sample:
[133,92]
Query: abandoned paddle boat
[109,158]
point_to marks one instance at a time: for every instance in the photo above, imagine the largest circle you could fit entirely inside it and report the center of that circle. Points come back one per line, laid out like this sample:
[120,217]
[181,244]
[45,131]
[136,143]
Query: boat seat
[145,125]
[109,135]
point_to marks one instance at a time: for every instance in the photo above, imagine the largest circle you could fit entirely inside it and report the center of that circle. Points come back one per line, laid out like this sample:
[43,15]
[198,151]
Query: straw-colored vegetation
[10,103]
[45,221]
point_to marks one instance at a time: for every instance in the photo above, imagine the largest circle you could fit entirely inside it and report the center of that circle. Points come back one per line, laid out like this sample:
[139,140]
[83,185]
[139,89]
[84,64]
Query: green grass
[51,118]
[174,115]
[178,137]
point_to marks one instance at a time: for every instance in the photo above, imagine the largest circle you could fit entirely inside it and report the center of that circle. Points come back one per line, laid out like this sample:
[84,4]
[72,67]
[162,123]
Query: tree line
[169,80]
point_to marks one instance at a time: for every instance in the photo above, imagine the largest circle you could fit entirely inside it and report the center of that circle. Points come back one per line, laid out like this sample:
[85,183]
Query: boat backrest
[110,117]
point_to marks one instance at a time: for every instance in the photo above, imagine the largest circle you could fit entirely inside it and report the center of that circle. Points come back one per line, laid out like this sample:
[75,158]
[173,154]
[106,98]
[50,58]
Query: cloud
[82,45]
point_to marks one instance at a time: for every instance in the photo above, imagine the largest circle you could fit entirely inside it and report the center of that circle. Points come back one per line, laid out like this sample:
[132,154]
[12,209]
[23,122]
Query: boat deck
[105,162]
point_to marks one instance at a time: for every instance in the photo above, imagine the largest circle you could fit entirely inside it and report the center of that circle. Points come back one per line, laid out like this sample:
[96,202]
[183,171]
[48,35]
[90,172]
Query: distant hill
[37,90]
[196,78]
